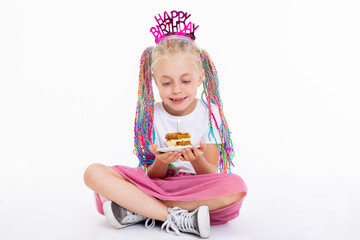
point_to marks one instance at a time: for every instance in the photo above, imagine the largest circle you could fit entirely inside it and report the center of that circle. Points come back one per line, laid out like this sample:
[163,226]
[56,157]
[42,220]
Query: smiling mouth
[178,100]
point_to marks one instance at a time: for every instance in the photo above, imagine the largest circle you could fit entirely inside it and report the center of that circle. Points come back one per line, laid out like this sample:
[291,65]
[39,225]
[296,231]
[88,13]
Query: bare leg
[213,204]
[110,184]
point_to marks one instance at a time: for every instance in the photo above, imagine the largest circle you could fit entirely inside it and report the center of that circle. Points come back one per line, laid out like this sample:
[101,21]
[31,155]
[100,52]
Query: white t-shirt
[196,123]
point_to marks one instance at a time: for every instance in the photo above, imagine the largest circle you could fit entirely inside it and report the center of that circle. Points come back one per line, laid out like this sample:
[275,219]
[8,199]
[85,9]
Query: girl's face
[177,79]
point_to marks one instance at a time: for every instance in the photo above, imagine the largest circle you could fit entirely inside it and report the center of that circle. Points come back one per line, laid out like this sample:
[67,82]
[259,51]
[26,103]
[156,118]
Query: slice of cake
[178,139]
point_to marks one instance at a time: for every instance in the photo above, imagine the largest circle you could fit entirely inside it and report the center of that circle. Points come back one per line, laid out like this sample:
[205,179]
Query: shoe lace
[151,225]
[179,220]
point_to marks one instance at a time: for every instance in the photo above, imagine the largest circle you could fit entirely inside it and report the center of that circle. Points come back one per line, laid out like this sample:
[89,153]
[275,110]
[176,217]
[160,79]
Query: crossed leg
[213,203]
[113,186]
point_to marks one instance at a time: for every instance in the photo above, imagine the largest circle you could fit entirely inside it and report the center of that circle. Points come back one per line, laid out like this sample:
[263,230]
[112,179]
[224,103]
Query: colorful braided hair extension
[212,94]
[144,129]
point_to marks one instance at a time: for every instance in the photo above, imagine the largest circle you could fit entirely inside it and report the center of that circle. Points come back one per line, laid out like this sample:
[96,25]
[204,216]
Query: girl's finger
[184,153]
[192,154]
[189,154]
[174,156]
[196,151]
[165,155]
[153,148]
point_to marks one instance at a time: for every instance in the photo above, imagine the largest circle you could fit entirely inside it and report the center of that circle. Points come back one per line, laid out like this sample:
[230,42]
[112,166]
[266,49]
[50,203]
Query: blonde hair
[174,46]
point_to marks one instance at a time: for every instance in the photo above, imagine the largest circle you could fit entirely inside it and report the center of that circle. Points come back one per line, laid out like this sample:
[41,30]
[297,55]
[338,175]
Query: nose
[176,88]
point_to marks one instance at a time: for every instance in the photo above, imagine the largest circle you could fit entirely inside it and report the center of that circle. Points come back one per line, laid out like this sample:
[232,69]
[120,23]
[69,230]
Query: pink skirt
[187,187]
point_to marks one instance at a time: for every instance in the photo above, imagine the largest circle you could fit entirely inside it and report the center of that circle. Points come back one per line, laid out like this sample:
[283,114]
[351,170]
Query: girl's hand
[167,157]
[196,154]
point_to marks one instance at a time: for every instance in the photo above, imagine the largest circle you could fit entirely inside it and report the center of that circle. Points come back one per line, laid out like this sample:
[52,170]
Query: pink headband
[173,24]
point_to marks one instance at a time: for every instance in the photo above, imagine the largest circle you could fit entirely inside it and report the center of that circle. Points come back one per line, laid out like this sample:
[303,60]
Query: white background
[289,73]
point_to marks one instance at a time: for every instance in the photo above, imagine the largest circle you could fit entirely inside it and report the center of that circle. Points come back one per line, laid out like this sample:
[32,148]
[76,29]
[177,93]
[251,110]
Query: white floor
[51,202]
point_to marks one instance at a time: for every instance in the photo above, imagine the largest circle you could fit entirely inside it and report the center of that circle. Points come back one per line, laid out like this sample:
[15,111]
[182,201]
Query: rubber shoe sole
[203,219]
[110,216]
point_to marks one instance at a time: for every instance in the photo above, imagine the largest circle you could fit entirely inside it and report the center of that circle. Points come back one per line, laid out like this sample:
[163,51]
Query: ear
[201,78]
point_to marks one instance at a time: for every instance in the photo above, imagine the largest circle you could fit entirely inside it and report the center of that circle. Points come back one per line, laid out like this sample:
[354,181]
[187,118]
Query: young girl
[182,189]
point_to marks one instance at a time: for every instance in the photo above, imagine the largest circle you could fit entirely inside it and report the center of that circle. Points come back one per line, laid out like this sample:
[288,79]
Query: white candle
[178,122]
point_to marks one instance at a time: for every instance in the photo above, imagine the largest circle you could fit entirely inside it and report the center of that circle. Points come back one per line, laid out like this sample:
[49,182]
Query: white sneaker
[120,217]
[196,222]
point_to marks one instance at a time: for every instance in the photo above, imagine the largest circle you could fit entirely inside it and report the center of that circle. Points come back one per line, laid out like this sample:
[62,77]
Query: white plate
[171,149]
